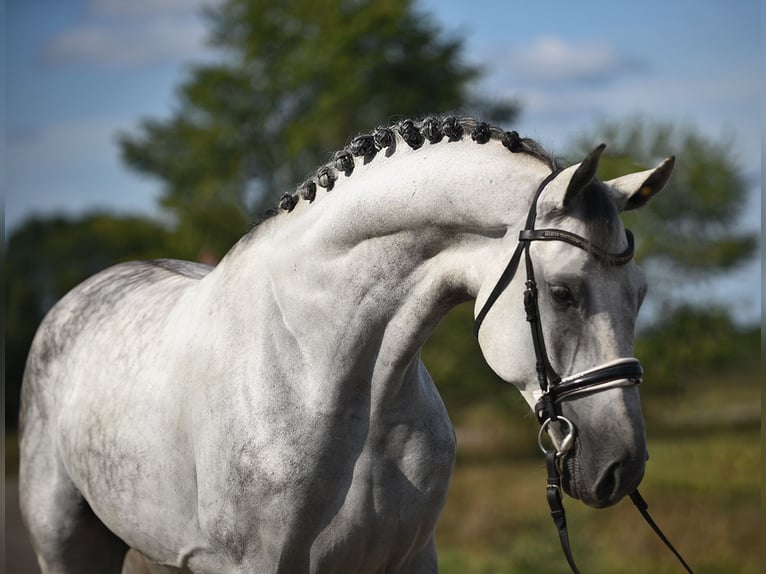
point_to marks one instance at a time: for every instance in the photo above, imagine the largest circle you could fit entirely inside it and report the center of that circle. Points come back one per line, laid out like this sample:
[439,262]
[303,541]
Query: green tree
[691,231]
[692,343]
[45,258]
[295,81]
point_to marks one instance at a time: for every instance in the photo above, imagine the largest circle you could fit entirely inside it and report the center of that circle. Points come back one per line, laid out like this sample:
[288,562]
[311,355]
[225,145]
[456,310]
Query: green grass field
[703,485]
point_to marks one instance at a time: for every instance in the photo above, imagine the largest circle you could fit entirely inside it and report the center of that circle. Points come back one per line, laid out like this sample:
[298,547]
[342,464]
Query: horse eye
[562,294]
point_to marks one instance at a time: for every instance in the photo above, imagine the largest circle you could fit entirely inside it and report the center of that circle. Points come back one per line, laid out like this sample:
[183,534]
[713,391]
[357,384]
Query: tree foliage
[691,343]
[295,80]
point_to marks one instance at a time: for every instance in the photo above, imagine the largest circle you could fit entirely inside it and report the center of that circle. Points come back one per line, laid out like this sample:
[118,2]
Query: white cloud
[150,8]
[551,60]
[127,45]
[62,144]
[115,33]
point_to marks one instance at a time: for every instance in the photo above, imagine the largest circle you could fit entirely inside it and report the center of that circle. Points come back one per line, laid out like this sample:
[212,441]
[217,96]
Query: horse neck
[370,267]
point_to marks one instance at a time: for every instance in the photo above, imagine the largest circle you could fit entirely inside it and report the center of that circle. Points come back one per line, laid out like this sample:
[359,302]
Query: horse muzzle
[597,467]
[608,485]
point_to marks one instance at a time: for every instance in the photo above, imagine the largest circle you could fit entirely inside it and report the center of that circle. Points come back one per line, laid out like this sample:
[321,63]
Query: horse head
[581,297]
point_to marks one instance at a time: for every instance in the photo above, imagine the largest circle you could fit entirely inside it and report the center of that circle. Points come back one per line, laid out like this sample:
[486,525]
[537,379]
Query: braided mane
[414,133]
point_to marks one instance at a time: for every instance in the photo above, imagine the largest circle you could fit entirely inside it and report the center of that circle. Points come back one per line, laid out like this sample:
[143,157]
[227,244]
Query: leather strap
[547,378]
[620,373]
[553,495]
[602,255]
[502,283]
[643,508]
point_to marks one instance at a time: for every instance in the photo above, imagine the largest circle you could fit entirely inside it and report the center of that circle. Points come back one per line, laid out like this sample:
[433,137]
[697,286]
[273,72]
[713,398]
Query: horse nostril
[619,479]
[606,487]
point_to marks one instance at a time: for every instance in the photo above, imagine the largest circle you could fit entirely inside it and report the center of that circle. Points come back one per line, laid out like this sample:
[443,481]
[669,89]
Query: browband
[602,255]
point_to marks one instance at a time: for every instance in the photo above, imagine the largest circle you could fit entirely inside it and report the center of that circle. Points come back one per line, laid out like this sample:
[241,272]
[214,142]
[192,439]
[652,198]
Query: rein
[553,388]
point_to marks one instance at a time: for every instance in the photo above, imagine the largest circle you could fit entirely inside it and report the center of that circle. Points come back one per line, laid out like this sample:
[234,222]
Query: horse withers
[272,414]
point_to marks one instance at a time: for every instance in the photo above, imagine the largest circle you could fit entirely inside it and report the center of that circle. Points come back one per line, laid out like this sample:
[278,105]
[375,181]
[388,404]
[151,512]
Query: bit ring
[567,443]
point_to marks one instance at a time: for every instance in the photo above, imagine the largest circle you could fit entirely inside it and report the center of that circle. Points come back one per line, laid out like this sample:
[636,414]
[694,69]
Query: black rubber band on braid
[363,146]
[481,133]
[383,137]
[432,130]
[308,191]
[287,202]
[326,177]
[344,161]
[512,141]
[411,134]
[452,129]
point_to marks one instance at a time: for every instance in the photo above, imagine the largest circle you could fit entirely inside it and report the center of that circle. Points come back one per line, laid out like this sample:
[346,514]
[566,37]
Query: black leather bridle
[553,388]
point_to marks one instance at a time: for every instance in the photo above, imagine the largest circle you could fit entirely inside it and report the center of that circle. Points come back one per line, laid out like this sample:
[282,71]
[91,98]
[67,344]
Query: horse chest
[393,503]
[361,489]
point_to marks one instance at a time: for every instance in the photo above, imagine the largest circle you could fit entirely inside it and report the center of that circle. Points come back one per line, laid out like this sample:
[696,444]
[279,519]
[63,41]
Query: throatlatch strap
[502,283]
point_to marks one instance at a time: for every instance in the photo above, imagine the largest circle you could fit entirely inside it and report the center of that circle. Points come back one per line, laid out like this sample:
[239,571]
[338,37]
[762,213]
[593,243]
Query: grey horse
[272,414]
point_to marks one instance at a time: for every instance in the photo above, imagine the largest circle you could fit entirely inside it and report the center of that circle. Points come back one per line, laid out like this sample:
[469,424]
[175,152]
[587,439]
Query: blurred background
[164,128]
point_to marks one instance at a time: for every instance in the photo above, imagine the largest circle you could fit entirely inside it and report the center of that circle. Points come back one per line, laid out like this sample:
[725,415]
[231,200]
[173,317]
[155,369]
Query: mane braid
[414,133]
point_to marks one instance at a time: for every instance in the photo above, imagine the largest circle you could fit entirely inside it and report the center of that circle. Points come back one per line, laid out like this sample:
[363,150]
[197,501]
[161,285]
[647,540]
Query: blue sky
[79,71]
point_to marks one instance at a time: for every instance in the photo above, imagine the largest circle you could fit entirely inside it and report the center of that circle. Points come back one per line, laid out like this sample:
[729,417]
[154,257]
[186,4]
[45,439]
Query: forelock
[596,209]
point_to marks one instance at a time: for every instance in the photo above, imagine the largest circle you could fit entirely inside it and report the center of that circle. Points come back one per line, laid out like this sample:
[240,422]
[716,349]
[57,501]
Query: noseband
[554,389]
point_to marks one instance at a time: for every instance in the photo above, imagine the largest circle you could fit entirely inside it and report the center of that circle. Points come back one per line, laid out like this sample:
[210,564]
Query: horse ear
[583,175]
[634,190]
